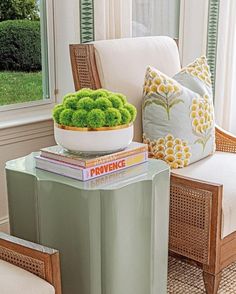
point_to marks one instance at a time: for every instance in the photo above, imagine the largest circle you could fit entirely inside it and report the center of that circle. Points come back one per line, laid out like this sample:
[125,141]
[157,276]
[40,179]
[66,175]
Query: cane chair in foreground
[203,195]
[28,268]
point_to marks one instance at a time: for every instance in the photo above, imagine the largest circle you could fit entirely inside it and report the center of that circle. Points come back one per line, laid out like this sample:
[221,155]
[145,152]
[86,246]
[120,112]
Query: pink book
[82,160]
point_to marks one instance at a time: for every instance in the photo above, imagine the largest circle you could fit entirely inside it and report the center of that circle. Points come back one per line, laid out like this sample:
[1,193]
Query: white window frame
[12,111]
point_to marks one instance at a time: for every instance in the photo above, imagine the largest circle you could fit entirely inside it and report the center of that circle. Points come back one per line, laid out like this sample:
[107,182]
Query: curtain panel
[105,19]
[113,19]
[225,80]
[155,17]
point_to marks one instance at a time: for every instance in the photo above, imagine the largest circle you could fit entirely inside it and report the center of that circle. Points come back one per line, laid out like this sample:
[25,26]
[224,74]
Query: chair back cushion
[121,65]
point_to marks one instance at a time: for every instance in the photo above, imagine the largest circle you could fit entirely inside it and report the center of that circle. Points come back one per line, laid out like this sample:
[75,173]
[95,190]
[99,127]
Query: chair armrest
[37,259]
[195,219]
[225,141]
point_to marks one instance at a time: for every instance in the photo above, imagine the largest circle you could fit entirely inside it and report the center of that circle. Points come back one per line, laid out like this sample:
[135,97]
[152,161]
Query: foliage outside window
[21,53]
[19,9]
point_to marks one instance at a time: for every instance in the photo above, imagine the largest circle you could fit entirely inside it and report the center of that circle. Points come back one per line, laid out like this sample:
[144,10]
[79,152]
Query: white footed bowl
[93,140]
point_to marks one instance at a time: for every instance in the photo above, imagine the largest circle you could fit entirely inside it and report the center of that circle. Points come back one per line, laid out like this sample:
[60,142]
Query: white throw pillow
[178,115]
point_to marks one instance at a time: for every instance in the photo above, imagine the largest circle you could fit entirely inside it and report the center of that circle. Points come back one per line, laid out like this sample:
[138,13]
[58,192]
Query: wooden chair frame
[37,259]
[196,206]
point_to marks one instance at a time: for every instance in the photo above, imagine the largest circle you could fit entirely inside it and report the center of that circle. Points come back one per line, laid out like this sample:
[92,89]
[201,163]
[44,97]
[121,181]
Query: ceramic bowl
[101,140]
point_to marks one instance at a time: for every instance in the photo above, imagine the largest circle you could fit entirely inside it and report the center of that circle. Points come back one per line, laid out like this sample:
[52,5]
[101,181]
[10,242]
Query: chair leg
[211,282]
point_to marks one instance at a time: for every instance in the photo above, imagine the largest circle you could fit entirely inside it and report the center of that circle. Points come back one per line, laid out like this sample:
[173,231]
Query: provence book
[59,154]
[135,172]
[85,174]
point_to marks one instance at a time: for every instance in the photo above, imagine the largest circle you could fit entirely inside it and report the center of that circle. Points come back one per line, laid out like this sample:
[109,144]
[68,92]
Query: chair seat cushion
[219,168]
[14,280]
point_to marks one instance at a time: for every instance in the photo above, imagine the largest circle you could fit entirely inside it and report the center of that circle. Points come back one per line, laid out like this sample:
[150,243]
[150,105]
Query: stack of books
[87,167]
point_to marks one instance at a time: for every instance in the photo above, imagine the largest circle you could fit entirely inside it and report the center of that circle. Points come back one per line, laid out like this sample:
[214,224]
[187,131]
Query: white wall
[16,142]
[193,29]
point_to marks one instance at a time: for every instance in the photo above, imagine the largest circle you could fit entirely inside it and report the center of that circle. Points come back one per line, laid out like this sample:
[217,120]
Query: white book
[85,174]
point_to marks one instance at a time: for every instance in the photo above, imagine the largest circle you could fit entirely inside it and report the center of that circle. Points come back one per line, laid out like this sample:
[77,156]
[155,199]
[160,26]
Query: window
[156,17]
[27,75]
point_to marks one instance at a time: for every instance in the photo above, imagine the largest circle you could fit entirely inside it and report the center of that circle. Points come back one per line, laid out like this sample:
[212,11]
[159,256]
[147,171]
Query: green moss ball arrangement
[83,93]
[125,116]
[57,112]
[79,118]
[132,110]
[69,95]
[70,103]
[86,103]
[100,93]
[103,103]
[122,97]
[113,117]
[94,109]
[116,101]
[96,118]
[66,117]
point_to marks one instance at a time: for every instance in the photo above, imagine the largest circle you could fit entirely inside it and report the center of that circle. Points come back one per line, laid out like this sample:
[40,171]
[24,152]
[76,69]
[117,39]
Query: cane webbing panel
[190,222]
[83,66]
[30,264]
[224,143]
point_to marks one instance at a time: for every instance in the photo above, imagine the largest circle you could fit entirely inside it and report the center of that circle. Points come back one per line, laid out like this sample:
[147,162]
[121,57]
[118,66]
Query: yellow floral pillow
[200,69]
[196,76]
[178,116]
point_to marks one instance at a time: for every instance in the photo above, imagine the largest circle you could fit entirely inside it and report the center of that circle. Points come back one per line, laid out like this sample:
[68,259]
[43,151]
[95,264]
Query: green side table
[112,232]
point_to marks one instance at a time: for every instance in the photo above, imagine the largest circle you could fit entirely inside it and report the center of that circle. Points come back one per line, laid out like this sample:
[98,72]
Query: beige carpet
[186,279]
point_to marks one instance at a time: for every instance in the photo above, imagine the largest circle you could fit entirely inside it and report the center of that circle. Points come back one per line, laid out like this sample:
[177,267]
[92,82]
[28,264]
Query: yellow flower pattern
[201,114]
[174,151]
[200,69]
[160,90]
[193,129]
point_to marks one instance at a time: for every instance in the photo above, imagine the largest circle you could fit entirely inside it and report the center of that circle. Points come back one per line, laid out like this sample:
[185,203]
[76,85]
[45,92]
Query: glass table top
[116,180]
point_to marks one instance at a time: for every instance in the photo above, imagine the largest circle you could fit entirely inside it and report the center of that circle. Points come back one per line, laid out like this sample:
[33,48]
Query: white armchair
[28,268]
[203,195]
